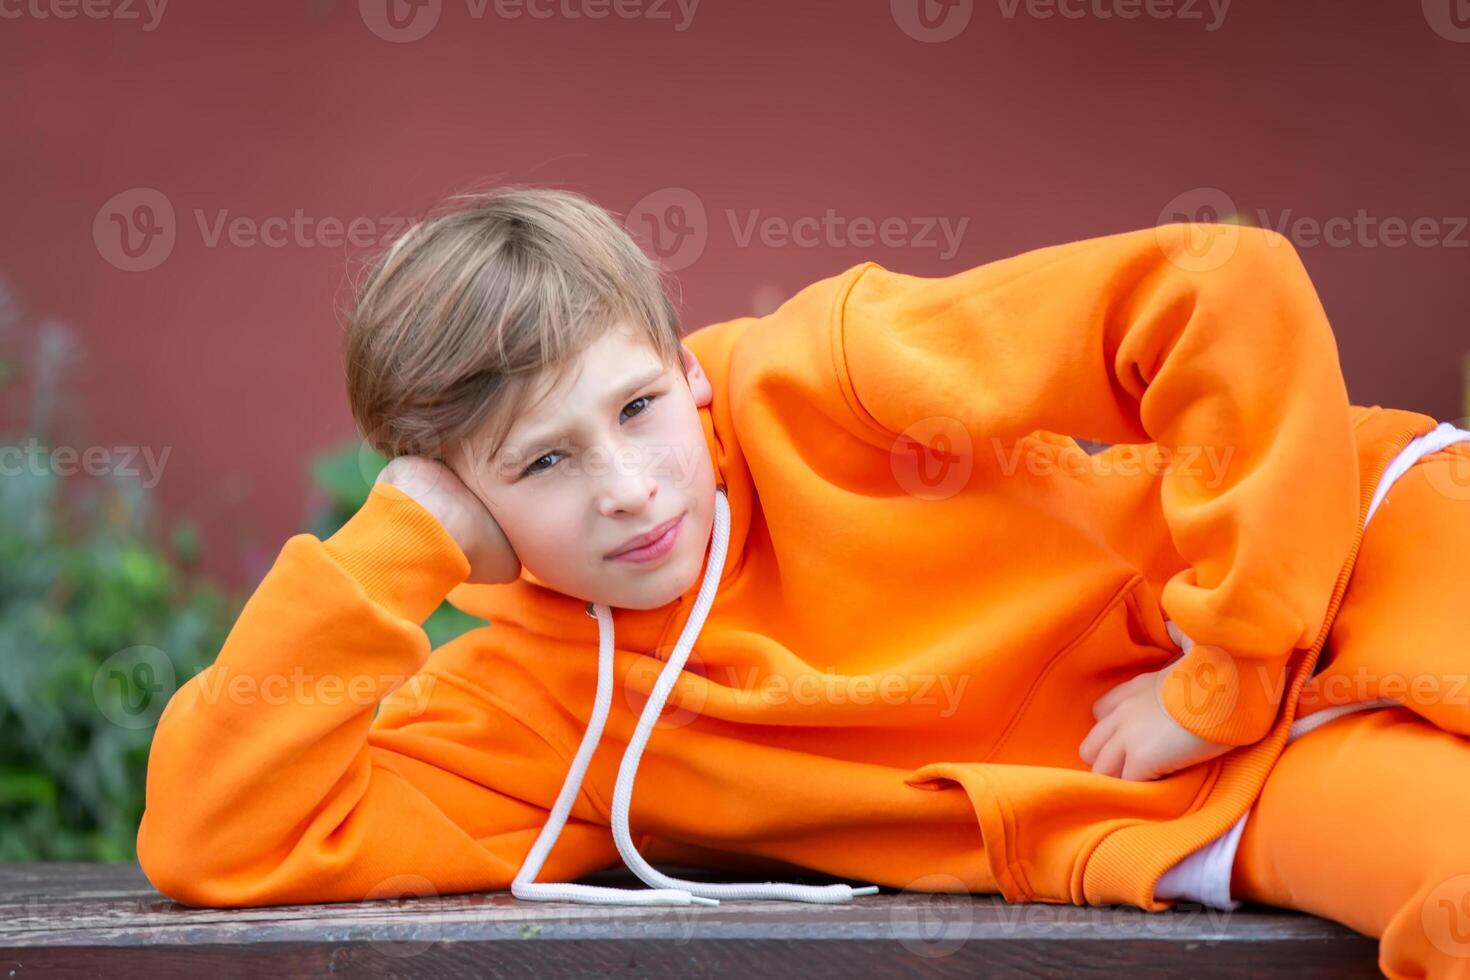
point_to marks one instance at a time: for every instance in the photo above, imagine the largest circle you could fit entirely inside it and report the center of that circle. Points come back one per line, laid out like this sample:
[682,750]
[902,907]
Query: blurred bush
[103,613]
[100,612]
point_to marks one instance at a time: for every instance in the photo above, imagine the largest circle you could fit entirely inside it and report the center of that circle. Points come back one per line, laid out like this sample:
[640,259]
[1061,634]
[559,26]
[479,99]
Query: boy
[898,676]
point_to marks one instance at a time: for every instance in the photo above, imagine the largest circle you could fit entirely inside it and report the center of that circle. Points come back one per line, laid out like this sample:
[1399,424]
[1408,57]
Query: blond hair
[455,322]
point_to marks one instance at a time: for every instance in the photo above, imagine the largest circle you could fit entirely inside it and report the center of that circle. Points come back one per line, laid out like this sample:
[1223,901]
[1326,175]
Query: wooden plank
[105,919]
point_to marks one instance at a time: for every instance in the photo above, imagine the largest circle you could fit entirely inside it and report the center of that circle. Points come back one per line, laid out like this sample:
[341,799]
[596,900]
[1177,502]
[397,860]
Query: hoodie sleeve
[268,782]
[1144,337]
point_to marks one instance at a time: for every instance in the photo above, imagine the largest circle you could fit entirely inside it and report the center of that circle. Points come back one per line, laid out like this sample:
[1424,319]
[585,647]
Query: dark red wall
[1035,129]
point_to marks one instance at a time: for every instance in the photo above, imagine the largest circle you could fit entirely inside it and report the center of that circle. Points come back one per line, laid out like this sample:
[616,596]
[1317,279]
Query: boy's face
[614,450]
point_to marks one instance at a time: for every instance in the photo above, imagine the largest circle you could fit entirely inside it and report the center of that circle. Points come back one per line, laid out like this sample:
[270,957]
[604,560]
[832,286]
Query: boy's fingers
[1138,767]
[1105,704]
[1111,759]
[1096,739]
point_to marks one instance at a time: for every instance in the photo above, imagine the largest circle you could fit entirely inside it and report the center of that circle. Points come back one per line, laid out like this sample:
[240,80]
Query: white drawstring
[666,890]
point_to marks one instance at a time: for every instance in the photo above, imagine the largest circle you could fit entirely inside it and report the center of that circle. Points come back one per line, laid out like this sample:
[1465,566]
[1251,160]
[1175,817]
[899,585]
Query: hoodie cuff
[399,553]
[1221,698]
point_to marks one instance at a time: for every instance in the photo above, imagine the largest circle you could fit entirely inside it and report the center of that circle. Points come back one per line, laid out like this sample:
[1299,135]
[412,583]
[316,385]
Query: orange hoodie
[924,589]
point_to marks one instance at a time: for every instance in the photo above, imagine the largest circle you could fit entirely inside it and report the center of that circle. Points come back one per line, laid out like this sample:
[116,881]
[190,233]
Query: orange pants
[1366,819]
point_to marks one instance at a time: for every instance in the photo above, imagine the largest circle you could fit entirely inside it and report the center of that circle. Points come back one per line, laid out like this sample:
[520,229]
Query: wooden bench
[106,920]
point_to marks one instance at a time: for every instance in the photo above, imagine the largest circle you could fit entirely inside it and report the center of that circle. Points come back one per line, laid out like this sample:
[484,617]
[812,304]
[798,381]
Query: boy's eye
[641,398]
[533,469]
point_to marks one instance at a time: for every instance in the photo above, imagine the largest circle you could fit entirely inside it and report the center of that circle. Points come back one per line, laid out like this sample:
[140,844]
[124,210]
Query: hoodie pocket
[1040,809]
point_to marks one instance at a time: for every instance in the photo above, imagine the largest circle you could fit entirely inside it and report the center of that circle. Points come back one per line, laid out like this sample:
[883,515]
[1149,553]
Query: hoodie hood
[531,605]
[664,890]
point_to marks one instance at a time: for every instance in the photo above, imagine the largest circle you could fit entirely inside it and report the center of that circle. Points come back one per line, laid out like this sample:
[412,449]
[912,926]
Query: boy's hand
[442,493]
[1135,738]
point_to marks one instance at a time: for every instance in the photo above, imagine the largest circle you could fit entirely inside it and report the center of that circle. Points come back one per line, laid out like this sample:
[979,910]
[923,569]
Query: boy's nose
[627,491]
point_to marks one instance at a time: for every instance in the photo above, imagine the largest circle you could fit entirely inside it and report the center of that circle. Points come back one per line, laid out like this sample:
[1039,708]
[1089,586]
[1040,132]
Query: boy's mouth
[651,544]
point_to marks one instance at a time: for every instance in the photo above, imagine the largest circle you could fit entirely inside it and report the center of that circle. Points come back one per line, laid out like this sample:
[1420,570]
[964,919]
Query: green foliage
[103,613]
[89,594]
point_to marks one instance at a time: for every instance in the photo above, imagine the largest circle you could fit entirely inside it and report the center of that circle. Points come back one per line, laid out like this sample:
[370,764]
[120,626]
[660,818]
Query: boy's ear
[699,384]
